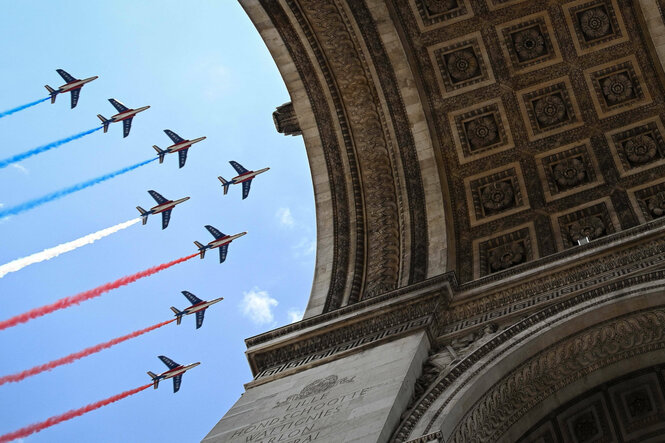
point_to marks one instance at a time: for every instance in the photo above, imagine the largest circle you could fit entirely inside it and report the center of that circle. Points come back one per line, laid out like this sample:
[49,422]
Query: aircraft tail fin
[52,92]
[202,249]
[160,153]
[178,315]
[105,122]
[155,380]
[225,184]
[144,214]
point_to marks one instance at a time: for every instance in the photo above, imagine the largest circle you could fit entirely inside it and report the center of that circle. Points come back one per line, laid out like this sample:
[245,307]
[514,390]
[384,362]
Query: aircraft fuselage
[166,206]
[249,175]
[224,240]
[127,114]
[176,371]
[201,306]
[77,84]
[185,144]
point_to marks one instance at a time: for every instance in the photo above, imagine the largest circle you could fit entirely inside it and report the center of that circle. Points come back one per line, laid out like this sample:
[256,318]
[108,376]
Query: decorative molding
[360,102]
[558,366]
[595,25]
[357,333]
[568,170]
[404,139]
[541,290]
[544,320]
[333,152]
[433,437]
[285,120]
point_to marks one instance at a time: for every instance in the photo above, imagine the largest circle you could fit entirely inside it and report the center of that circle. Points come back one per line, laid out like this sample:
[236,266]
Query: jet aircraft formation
[165,206]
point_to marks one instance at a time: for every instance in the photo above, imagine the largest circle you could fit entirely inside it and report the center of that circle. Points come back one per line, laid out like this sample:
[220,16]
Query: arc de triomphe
[489,178]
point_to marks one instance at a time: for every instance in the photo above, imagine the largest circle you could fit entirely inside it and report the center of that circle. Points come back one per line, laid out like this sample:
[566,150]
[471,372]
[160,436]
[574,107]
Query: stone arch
[516,377]
[380,223]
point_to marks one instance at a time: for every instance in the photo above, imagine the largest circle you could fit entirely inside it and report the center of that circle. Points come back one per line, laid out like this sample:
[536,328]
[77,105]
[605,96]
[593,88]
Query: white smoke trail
[47,254]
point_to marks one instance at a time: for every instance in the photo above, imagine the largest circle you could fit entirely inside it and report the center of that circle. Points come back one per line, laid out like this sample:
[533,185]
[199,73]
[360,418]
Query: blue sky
[204,70]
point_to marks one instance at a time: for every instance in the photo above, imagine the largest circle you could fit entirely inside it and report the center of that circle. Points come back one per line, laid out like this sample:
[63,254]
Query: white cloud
[304,248]
[285,218]
[1,205]
[257,306]
[20,167]
[294,315]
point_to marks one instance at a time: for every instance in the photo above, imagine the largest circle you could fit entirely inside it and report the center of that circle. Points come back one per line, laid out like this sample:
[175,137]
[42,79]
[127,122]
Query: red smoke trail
[77,355]
[87,295]
[24,432]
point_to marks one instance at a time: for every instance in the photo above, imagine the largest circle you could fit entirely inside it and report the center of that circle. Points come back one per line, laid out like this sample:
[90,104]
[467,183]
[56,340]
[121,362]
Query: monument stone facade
[489,180]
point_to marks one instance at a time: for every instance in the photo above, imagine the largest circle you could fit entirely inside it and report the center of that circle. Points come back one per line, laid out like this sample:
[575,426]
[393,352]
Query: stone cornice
[347,329]
[550,279]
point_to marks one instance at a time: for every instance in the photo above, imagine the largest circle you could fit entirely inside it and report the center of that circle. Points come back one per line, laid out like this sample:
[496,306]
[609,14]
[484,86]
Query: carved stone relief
[595,25]
[591,221]
[630,408]
[436,13]
[529,43]
[568,170]
[462,64]
[649,201]
[505,250]
[549,108]
[496,194]
[638,147]
[616,87]
[481,130]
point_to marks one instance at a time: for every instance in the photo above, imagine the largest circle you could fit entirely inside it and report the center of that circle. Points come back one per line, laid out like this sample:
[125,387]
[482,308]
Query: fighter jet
[244,176]
[175,371]
[221,241]
[181,146]
[163,205]
[124,115]
[198,306]
[73,85]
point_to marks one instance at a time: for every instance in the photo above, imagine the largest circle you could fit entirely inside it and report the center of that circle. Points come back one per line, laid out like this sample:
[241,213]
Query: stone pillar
[356,398]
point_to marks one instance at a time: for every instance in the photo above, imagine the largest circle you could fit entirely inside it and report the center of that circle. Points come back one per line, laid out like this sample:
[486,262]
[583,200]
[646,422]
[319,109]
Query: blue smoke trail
[63,192]
[18,157]
[22,107]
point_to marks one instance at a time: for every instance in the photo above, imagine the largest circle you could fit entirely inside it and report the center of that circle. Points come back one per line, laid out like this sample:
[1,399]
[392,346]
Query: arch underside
[503,158]
[514,380]
[408,185]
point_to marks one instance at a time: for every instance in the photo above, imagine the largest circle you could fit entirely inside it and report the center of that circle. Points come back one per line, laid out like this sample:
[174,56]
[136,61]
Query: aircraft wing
[177,380]
[238,167]
[75,97]
[199,318]
[193,299]
[182,156]
[173,136]
[118,106]
[157,196]
[245,188]
[126,126]
[166,216]
[223,250]
[65,76]
[168,362]
[214,231]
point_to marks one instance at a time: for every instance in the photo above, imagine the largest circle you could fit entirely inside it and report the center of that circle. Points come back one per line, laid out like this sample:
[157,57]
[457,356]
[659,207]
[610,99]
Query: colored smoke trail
[47,254]
[28,430]
[23,155]
[87,295]
[63,192]
[22,107]
[77,355]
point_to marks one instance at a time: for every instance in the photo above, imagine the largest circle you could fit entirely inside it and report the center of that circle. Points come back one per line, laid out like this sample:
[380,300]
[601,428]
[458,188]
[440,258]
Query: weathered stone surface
[340,401]
[460,149]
